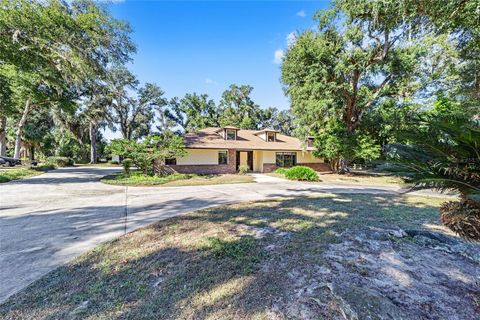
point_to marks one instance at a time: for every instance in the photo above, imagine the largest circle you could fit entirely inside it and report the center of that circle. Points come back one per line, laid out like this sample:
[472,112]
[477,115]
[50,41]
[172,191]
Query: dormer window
[270,136]
[230,134]
[310,142]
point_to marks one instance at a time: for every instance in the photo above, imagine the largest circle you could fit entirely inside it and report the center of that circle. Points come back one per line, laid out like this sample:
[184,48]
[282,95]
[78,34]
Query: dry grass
[221,263]
[355,178]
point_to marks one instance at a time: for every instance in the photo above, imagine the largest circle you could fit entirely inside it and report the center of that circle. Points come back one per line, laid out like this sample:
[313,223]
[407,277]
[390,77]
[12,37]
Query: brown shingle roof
[208,138]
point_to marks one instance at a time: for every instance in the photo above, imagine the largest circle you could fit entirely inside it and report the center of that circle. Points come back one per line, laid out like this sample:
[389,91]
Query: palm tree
[446,156]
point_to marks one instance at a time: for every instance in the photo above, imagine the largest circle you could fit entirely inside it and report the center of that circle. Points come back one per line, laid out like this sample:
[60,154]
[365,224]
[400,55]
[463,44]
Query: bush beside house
[300,173]
[149,155]
[243,169]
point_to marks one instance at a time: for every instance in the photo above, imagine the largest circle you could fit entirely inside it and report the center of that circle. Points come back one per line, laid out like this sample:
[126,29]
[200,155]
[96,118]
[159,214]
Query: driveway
[49,219]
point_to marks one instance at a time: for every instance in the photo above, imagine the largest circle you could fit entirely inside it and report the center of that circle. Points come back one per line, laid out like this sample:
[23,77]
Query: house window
[270,136]
[223,157]
[171,161]
[286,159]
[230,135]
[310,142]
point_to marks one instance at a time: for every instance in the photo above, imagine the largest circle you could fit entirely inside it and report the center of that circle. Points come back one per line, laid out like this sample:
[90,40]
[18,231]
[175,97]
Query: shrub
[301,173]
[243,169]
[462,218]
[127,164]
[44,166]
[149,155]
[281,170]
[60,161]
[445,157]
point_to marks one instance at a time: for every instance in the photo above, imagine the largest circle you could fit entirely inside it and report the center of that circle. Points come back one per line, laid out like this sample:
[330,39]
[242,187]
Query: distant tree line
[63,79]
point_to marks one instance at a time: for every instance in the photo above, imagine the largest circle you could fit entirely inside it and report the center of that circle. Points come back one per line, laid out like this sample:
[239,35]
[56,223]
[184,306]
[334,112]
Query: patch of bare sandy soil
[386,274]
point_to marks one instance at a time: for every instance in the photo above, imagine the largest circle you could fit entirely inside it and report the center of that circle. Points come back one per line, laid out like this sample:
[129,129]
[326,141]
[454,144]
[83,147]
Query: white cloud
[210,81]
[278,56]
[291,38]
[301,13]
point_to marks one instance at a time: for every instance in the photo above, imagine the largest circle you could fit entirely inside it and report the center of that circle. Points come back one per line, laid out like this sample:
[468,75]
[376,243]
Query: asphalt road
[49,219]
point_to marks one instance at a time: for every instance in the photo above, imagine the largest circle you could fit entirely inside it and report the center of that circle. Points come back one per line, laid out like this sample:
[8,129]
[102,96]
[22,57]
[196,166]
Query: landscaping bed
[334,256]
[137,178]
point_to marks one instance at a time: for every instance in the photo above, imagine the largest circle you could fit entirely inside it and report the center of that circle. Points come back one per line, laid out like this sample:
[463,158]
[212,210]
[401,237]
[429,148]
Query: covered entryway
[245,158]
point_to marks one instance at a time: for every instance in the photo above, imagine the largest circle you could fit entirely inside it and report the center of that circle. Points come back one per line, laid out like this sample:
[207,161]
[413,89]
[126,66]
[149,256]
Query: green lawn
[9,174]
[222,263]
[173,180]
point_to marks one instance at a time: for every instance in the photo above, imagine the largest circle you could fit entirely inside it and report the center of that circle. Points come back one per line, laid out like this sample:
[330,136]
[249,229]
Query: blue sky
[204,46]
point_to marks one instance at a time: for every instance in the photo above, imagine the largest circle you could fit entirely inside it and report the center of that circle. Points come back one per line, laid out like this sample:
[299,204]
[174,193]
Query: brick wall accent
[269,167]
[229,168]
[321,167]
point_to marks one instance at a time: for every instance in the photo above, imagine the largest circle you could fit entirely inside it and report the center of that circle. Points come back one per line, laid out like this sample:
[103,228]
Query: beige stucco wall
[200,156]
[307,157]
[210,157]
[243,158]
[269,157]
[262,136]
[257,160]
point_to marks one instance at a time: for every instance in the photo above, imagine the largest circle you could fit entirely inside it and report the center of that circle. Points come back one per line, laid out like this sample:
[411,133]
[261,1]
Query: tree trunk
[93,142]
[339,166]
[3,134]
[19,132]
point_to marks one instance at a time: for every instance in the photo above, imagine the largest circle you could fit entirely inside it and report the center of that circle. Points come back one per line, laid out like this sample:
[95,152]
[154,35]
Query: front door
[250,160]
[245,157]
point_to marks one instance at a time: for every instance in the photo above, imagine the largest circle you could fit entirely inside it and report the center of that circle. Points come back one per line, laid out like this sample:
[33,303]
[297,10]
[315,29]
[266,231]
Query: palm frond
[447,157]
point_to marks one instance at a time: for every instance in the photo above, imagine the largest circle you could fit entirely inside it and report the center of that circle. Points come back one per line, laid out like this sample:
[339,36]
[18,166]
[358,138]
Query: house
[223,150]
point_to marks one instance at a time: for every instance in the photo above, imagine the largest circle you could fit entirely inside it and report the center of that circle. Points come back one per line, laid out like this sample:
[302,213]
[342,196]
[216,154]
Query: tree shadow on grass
[227,262]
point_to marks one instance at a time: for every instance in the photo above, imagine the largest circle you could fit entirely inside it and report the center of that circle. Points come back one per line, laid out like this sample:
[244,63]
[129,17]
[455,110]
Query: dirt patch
[376,275]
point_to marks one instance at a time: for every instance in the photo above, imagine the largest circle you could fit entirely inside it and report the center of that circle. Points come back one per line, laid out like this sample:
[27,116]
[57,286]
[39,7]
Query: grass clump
[7,175]
[243,252]
[301,173]
[243,169]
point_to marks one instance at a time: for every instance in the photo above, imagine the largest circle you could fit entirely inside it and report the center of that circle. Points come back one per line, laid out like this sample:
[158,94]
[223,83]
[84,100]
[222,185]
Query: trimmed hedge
[301,173]
[60,161]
